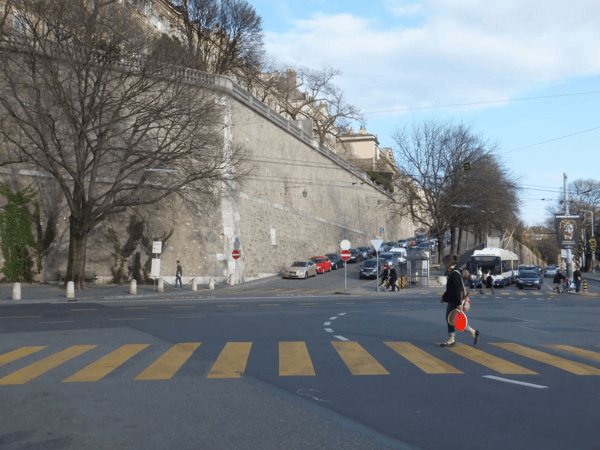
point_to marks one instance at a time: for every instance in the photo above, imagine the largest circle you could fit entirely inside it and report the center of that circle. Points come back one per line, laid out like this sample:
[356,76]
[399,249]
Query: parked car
[323,263]
[389,257]
[355,255]
[403,243]
[371,269]
[529,279]
[421,237]
[336,260]
[401,252]
[366,252]
[301,269]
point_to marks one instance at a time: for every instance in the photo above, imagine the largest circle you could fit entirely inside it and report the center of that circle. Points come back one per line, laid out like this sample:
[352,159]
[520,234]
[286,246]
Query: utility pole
[569,253]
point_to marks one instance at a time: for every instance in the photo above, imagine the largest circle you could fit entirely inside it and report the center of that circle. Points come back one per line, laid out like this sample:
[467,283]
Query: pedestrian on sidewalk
[393,279]
[178,275]
[577,279]
[454,296]
[385,275]
[557,280]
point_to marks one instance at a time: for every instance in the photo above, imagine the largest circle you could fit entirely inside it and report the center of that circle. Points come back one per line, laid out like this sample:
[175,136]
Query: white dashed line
[329,330]
[341,338]
[522,383]
[327,323]
[332,318]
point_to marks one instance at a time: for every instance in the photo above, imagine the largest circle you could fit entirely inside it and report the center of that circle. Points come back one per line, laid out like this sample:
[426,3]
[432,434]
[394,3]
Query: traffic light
[467,166]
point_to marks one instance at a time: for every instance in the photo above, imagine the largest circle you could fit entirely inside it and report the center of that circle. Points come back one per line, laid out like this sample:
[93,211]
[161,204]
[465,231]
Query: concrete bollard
[211,284]
[16,291]
[194,284]
[133,287]
[161,285]
[70,289]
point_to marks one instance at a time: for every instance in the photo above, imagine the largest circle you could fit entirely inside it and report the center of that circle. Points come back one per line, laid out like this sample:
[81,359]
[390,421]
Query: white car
[401,252]
[301,269]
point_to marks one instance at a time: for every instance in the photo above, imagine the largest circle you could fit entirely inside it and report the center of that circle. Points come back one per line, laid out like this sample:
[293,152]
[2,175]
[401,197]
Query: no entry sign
[345,255]
[235,254]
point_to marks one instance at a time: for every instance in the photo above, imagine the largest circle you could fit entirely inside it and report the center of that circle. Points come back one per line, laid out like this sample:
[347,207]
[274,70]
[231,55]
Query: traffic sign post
[345,257]
[377,245]
[235,254]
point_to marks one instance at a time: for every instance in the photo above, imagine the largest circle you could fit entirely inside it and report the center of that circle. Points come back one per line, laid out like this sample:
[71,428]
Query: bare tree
[93,100]
[306,93]
[223,36]
[433,186]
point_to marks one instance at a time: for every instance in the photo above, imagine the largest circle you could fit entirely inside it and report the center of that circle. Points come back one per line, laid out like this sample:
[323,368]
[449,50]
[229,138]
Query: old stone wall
[299,200]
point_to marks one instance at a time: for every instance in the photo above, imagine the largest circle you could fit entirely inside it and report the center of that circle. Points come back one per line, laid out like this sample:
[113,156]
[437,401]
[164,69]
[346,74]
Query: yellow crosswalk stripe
[38,368]
[358,360]
[505,293]
[490,361]
[564,364]
[423,360]
[595,356]
[18,353]
[536,293]
[232,360]
[520,293]
[294,360]
[106,364]
[169,362]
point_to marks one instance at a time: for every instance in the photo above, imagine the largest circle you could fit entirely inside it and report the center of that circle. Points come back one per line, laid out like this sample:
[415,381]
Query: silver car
[301,269]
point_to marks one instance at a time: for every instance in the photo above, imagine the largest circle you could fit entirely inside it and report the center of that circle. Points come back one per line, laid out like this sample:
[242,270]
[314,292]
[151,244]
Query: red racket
[458,319]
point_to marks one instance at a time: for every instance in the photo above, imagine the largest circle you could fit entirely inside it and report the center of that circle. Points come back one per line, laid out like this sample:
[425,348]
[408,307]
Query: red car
[323,263]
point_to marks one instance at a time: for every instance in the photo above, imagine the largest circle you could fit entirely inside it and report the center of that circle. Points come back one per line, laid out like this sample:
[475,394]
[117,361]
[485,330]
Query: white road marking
[533,329]
[308,393]
[341,338]
[332,318]
[329,330]
[522,383]
[133,318]
[60,321]
[341,314]
[189,317]
[327,323]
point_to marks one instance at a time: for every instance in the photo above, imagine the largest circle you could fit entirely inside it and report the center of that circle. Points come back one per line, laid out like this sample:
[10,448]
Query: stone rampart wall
[273,222]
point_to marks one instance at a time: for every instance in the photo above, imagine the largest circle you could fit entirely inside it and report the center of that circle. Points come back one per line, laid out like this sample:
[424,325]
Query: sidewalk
[53,293]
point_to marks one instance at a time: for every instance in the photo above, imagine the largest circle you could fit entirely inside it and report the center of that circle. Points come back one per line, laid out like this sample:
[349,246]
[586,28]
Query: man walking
[454,295]
[577,279]
[557,280]
[487,282]
[178,275]
[393,279]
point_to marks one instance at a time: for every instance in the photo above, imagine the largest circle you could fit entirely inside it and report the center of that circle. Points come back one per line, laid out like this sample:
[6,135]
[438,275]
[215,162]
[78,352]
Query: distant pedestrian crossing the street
[22,365]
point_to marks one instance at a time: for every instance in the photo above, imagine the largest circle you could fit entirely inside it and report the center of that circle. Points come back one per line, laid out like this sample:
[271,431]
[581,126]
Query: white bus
[502,264]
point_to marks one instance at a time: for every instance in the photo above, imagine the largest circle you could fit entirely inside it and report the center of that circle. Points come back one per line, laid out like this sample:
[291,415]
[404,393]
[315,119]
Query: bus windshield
[491,263]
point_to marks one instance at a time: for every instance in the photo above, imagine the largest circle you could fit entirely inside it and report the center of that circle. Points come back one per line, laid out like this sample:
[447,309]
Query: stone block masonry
[299,200]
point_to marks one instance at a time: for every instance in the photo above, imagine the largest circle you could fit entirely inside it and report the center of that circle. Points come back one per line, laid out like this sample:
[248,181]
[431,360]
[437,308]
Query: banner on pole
[567,231]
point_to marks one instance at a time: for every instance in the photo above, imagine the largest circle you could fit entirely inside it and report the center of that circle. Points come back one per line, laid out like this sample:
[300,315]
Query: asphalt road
[278,367]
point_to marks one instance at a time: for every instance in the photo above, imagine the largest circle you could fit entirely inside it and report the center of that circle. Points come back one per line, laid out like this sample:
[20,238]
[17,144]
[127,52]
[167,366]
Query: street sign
[376,244]
[235,254]
[382,230]
[155,268]
[236,244]
[345,255]
[156,247]
[345,244]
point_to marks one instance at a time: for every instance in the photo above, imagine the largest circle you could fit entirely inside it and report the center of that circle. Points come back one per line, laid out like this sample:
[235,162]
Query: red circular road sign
[345,255]
[236,254]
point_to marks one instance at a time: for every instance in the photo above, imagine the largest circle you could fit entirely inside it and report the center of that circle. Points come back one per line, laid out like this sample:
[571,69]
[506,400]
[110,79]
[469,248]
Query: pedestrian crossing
[294,359]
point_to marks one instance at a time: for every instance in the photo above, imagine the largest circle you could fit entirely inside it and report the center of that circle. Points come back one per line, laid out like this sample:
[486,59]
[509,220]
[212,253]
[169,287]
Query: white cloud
[403,9]
[463,50]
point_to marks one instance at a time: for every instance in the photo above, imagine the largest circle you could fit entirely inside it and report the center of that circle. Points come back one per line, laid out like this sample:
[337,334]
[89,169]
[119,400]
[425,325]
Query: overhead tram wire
[551,140]
[484,103]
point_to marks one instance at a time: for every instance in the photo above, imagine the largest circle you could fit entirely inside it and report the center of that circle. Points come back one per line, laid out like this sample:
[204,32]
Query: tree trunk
[77,253]
[458,241]
[452,240]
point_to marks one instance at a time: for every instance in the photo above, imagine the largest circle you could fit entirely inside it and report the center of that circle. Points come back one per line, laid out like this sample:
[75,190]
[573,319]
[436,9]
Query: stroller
[568,286]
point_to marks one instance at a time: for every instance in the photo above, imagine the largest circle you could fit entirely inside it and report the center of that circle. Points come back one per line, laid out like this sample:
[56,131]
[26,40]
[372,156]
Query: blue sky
[397,55]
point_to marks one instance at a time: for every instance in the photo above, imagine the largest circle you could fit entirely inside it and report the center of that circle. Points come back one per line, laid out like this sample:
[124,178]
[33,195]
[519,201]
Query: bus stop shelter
[417,269]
